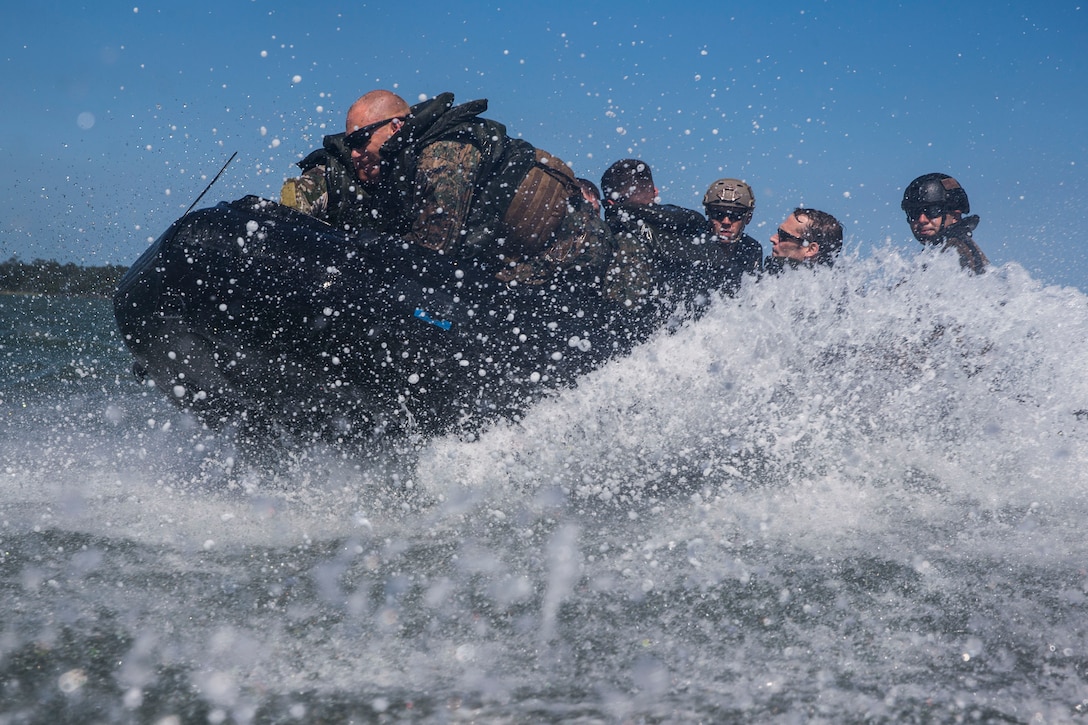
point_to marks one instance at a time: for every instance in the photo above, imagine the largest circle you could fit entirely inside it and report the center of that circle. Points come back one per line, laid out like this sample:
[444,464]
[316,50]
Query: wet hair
[823,229]
[626,178]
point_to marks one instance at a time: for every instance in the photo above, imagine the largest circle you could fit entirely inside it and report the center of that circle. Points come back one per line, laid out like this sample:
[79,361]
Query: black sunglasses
[784,236]
[932,211]
[360,137]
[720,214]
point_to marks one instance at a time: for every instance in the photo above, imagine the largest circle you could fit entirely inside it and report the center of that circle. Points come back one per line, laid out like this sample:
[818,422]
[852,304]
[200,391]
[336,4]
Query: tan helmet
[730,193]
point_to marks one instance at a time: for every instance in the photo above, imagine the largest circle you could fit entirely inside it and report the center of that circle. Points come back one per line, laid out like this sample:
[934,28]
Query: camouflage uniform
[308,193]
[455,182]
[960,237]
[581,249]
[581,244]
[677,259]
[445,179]
[630,278]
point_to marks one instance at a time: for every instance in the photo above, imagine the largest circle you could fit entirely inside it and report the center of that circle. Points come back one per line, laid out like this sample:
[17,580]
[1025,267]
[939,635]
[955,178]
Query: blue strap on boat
[420,314]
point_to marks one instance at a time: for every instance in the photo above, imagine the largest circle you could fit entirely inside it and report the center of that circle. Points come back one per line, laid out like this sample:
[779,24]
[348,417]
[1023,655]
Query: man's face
[367,160]
[728,222]
[928,222]
[789,240]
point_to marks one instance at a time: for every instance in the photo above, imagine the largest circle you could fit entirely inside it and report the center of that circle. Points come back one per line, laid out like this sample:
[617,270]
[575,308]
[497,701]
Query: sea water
[852,495]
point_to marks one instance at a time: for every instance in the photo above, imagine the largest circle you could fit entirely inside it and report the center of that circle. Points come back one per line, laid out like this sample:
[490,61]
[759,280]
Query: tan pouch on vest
[289,194]
[539,205]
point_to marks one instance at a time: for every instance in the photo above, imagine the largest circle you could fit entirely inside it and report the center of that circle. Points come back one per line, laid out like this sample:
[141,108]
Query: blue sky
[120,113]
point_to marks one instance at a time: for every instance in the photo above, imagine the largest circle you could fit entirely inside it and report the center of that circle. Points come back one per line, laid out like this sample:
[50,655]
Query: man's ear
[811,250]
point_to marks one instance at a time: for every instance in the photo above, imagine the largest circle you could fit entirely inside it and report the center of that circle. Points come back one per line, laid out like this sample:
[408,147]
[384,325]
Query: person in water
[441,176]
[729,205]
[808,237]
[935,205]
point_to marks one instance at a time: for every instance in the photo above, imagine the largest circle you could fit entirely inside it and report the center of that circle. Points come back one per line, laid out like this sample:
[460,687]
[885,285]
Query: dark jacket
[731,261]
[686,260]
[350,206]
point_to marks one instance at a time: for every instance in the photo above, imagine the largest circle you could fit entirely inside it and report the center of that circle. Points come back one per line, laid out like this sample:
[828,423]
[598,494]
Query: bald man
[443,177]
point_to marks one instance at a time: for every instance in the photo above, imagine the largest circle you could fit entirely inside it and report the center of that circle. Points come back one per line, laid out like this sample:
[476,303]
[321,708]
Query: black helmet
[936,189]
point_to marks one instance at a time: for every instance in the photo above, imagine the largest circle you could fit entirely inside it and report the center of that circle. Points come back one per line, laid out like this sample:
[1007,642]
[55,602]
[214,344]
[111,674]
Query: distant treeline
[48,277]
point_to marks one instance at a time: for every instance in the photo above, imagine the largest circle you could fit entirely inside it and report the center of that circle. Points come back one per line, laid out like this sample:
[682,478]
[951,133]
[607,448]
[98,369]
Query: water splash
[859,491]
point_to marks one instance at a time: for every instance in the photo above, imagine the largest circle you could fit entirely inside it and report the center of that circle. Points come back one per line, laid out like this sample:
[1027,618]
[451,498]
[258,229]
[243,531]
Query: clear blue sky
[119,113]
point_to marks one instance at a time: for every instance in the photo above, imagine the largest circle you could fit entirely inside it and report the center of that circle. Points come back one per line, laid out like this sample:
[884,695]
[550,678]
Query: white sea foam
[863,480]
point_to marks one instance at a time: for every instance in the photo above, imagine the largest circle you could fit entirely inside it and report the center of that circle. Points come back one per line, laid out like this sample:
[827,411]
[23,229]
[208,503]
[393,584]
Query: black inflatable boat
[250,312]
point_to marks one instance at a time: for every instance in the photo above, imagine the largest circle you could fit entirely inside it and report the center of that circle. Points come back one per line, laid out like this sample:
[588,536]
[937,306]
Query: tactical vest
[521,192]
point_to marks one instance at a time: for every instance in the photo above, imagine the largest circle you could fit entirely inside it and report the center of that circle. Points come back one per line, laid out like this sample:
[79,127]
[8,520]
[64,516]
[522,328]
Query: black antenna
[209,186]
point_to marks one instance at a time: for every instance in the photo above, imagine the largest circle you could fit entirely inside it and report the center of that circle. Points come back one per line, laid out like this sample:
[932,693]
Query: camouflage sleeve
[630,277]
[307,193]
[444,185]
[971,257]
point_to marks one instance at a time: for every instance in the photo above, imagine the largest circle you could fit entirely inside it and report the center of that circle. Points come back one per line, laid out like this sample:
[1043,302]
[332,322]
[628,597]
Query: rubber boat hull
[250,312]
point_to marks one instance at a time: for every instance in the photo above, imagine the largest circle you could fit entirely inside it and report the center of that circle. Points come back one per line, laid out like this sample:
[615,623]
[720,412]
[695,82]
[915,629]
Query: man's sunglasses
[358,139]
[720,214]
[933,211]
[784,236]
